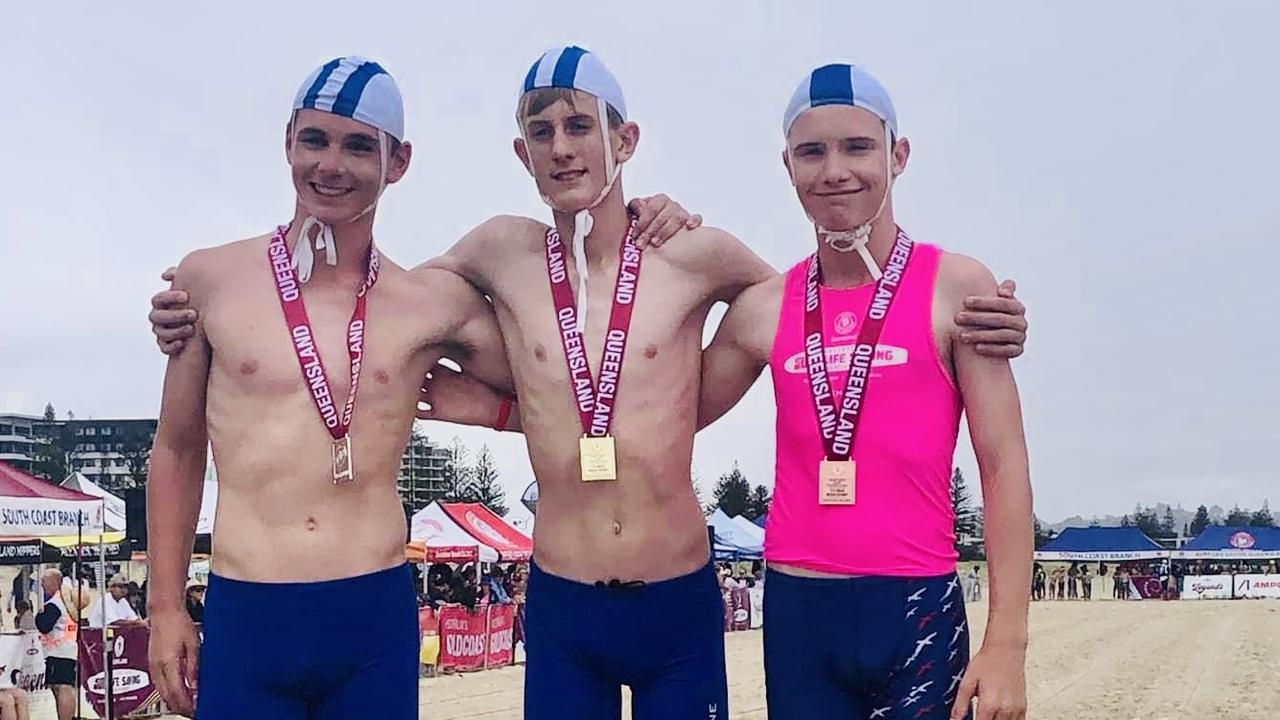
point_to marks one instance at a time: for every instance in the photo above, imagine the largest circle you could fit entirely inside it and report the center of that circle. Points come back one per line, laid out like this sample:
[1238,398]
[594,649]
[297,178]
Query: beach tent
[487,528]
[436,537]
[31,507]
[1218,542]
[520,518]
[113,506]
[1095,544]
[751,529]
[731,540]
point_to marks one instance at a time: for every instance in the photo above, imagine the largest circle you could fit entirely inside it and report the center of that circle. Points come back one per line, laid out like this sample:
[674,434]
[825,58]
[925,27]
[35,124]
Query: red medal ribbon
[839,429]
[304,344]
[595,401]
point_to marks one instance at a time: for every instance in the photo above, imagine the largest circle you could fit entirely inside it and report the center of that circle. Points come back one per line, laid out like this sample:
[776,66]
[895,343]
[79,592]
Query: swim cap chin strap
[583,222]
[303,258]
[845,241]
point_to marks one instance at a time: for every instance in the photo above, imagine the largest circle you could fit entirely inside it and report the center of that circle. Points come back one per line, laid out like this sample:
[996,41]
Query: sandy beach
[1101,660]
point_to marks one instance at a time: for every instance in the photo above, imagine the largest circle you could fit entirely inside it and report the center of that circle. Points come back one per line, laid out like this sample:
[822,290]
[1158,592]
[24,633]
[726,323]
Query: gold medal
[837,482]
[343,472]
[598,458]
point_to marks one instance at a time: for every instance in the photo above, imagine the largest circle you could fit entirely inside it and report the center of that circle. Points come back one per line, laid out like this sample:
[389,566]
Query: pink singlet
[901,524]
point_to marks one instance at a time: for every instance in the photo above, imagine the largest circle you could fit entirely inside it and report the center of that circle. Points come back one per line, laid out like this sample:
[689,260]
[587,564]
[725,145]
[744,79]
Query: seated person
[113,608]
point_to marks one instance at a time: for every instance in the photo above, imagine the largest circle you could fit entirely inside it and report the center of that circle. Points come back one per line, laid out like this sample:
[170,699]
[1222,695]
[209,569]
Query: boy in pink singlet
[871,372]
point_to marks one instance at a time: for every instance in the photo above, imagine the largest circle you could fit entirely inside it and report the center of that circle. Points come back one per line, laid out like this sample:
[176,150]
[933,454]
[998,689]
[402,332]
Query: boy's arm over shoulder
[472,257]
[470,335]
[723,262]
[740,349]
[991,404]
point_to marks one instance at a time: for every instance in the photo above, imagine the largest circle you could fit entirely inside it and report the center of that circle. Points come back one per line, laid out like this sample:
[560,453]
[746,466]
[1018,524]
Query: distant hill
[1181,517]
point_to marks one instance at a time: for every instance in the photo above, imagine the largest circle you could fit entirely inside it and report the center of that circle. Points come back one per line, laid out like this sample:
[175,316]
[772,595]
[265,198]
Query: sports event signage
[1257,586]
[1206,587]
[475,640]
[131,683]
[21,662]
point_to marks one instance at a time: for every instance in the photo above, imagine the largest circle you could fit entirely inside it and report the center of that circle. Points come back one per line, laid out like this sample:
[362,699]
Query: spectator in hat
[195,600]
[113,608]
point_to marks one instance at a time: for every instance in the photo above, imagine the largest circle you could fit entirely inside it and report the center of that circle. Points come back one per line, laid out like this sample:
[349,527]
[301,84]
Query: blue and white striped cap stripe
[356,88]
[577,69]
[841,84]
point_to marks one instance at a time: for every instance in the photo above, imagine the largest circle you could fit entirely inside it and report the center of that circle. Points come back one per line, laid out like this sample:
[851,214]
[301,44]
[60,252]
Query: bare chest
[257,353]
[663,340]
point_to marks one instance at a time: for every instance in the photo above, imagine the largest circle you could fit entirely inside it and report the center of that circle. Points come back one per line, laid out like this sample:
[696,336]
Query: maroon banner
[451,553]
[131,686]
[502,621]
[737,609]
[463,639]
[1150,587]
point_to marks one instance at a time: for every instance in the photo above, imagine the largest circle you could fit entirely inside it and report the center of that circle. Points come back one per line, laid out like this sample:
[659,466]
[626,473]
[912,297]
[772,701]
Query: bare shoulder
[696,250]
[502,232]
[474,256]
[961,276]
[440,285]
[202,270]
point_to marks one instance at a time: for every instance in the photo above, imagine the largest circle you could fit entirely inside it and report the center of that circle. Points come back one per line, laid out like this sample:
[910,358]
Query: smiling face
[563,146]
[836,157]
[337,164]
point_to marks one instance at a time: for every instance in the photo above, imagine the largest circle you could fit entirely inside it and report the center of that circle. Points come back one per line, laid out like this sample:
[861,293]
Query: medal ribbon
[303,339]
[839,429]
[595,401]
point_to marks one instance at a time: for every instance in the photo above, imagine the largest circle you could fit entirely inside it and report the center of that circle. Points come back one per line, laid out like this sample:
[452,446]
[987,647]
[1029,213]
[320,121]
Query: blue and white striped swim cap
[841,84]
[356,88]
[575,69]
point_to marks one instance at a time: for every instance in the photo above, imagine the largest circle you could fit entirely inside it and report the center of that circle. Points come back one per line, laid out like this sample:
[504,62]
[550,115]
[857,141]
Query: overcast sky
[1118,159]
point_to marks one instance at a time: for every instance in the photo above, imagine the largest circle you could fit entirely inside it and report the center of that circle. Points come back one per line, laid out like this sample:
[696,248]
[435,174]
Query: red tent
[486,527]
[31,507]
